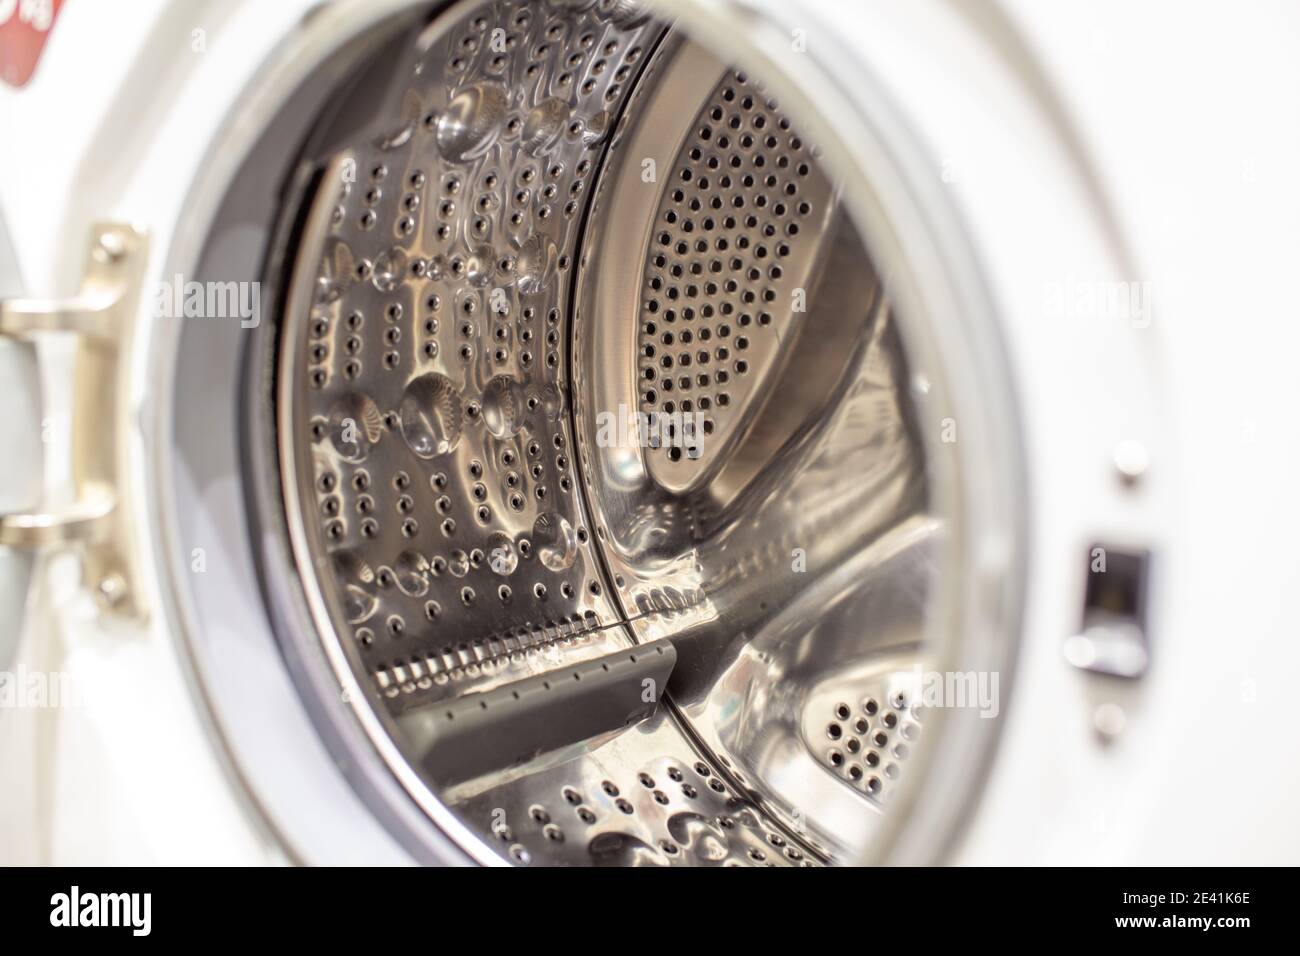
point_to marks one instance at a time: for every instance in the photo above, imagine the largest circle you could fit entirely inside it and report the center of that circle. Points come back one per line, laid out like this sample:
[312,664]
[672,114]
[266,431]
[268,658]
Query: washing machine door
[585,433]
[596,461]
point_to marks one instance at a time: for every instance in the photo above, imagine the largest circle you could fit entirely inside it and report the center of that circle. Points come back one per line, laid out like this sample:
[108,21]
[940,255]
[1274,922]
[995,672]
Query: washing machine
[690,433]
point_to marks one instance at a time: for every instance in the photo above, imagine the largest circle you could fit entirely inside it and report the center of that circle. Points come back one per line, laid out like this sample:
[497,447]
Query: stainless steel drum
[615,489]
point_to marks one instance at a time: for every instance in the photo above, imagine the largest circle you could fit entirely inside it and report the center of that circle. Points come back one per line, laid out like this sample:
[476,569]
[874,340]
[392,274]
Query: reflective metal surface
[582,352]
[98,316]
[434,392]
[791,548]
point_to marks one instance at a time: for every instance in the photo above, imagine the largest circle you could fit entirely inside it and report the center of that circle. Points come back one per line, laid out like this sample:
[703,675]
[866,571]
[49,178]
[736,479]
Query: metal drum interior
[598,449]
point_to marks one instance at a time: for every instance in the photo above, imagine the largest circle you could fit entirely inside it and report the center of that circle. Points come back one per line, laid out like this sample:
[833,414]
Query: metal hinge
[99,316]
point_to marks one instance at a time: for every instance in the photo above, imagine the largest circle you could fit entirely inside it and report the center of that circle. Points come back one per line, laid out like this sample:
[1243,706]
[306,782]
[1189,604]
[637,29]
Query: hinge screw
[112,589]
[111,246]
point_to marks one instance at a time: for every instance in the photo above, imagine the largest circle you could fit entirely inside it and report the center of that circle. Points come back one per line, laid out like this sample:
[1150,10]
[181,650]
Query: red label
[24,27]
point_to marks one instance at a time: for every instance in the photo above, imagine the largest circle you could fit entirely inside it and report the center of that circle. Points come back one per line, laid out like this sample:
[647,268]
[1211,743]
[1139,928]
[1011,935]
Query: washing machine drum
[595,448]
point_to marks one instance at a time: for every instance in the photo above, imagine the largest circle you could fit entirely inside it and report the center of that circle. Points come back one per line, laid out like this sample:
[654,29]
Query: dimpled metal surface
[567,189]
[434,388]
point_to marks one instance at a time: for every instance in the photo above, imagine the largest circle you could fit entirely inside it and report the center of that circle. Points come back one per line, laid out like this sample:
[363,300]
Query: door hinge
[99,317]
